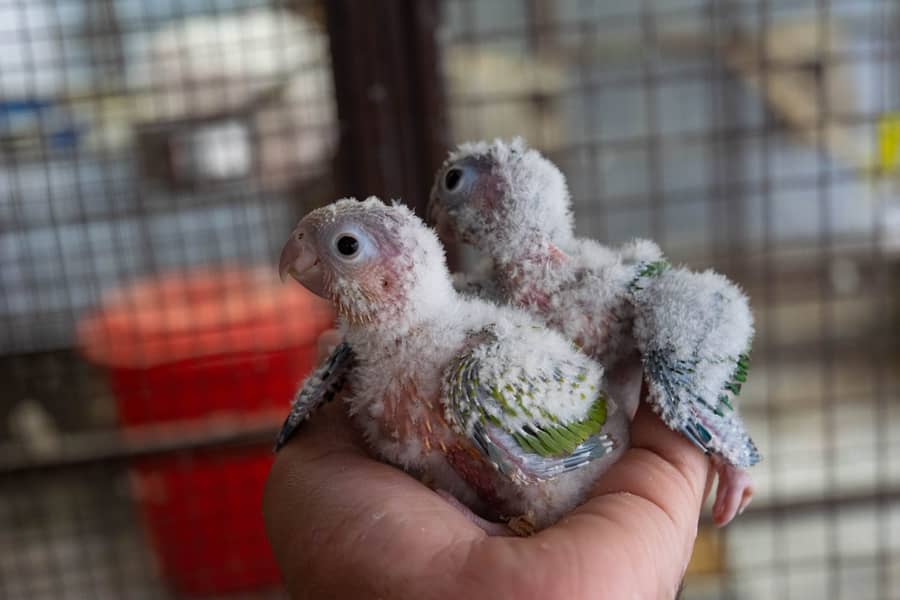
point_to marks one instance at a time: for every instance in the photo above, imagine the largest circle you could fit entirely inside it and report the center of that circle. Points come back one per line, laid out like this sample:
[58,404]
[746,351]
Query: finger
[489,527]
[734,492]
[330,510]
[661,466]
[639,524]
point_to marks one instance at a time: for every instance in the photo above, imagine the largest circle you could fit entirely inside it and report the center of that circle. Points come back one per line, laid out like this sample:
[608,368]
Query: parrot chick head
[493,194]
[377,263]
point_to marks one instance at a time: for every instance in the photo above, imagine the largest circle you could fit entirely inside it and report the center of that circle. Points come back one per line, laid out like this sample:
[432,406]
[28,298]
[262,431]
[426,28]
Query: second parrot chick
[689,332]
[477,400]
[494,198]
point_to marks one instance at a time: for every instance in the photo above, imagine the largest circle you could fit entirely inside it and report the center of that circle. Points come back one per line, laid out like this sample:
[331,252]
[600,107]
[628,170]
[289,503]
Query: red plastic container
[199,352]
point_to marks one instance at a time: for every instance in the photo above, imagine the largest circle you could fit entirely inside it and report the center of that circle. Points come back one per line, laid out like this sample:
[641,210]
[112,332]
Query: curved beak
[300,261]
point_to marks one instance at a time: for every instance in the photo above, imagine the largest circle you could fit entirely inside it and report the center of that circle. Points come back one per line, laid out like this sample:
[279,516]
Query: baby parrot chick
[690,331]
[479,401]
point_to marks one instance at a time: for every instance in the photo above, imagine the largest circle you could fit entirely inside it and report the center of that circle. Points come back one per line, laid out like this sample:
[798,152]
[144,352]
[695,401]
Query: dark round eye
[452,179]
[347,245]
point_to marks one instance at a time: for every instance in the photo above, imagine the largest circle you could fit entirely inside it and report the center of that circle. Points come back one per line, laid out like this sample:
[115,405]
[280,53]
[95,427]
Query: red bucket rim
[200,312]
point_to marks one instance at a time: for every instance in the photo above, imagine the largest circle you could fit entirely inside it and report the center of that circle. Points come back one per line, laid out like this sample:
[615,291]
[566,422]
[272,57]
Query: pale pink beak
[300,261]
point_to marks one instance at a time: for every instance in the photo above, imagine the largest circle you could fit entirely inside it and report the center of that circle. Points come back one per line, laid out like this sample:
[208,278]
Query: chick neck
[427,297]
[524,261]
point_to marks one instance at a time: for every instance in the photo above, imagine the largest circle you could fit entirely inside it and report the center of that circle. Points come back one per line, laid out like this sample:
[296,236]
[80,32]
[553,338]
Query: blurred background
[154,155]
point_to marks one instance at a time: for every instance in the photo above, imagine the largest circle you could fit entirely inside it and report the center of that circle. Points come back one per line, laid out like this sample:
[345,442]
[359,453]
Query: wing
[319,388]
[694,332]
[533,407]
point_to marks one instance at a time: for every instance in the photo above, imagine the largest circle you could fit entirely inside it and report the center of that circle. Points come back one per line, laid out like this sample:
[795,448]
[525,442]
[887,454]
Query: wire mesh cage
[154,155]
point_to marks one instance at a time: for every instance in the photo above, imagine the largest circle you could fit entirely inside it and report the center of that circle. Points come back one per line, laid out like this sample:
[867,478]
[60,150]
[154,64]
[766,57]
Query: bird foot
[733,492]
[522,525]
[489,527]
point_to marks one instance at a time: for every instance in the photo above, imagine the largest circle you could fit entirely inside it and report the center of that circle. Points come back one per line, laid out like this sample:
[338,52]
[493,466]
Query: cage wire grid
[138,139]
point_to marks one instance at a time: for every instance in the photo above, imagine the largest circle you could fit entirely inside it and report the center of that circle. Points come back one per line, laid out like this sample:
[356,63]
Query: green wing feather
[487,391]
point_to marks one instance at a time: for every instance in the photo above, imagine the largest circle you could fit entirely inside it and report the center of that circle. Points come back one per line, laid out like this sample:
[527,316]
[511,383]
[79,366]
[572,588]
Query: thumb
[643,513]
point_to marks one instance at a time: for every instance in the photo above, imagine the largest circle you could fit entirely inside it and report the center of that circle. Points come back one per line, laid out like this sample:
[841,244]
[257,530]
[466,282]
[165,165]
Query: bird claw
[522,525]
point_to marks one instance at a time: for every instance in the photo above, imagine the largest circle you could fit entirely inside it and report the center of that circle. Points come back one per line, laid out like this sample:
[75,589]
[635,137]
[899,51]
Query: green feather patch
[561,440]
[648,270]
[654,269]
[501,400]
[734,385]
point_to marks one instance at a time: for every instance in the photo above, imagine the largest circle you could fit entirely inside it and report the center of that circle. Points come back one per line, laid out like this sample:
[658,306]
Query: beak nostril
[299,235]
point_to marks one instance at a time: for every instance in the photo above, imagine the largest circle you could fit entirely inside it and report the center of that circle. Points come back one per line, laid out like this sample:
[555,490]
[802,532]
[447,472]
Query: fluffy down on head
[493,192]
[376,262]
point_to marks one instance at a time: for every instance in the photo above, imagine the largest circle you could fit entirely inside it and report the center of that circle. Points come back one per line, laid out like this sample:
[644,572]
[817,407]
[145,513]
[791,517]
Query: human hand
[345,525]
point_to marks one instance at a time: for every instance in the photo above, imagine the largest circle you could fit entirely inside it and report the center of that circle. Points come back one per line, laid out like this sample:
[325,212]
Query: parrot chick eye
[347,246]
[452,179]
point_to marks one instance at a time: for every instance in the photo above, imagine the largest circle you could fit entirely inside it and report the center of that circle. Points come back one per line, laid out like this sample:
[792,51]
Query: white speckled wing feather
[694,332]
[532,405]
